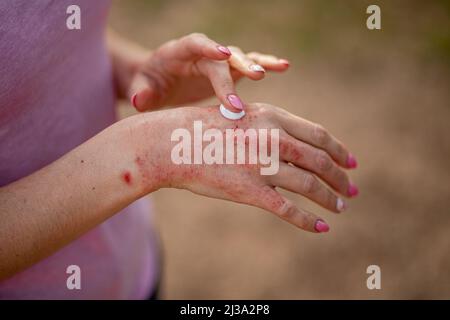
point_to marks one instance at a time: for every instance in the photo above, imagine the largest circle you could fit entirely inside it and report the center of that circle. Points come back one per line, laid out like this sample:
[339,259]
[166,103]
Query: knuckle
[254,105]
[285,145]
[257,105]
[308,221]
[281,111]
[310,183]
[196,35]
[331,200]
[172,43]
[192,39]
[256,109]
[341,152]
[342,179]
[323,161]
[264,109]
[340,148]
[320,135]
[287,210]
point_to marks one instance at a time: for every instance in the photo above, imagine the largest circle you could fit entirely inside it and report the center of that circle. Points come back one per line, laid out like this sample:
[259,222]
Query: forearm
[126,57]
[53,206]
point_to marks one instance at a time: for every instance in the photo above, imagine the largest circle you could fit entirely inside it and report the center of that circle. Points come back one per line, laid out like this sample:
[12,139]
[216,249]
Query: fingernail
[340,205]
[235,101]
[353,190]
[321,226]
[224,50]
[284,61]
[256,68]
[133,100]
[351,161]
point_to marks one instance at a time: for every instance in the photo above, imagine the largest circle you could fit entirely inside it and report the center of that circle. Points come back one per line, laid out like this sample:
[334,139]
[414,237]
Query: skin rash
[153,172]
[301,163]
[142,164]
[236,146]
[126,177]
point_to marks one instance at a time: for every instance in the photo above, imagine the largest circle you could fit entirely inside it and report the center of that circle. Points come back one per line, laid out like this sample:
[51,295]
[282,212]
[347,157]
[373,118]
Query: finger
[218,72]
[246,66]
[315,160]
[269,199]
[197,45]
[318,136]
[269,62]
[144,93]
[305,183]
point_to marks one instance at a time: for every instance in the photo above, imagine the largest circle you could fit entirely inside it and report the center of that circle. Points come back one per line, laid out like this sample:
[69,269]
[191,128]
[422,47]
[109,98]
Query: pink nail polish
[235,101]
[353,190]
[321,226]
[224,50]
[284,61]
[351,161]
[133,100]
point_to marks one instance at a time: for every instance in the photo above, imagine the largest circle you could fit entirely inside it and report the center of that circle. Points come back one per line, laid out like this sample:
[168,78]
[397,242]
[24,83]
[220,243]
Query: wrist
[148,156]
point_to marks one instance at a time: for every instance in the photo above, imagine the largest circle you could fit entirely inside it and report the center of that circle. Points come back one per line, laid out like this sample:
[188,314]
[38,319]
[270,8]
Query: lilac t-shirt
[56,91]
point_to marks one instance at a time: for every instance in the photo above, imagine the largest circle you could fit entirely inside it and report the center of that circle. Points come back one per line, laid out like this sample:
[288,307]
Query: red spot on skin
[296,154]
[139,161]
[126,176]
[291,151]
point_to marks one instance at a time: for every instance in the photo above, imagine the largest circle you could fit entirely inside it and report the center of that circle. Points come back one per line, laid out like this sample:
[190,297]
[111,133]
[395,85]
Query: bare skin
[185,70]
[50,208]
[53,206]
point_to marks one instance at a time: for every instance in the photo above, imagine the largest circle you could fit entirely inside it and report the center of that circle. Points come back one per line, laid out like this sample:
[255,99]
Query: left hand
[195,67]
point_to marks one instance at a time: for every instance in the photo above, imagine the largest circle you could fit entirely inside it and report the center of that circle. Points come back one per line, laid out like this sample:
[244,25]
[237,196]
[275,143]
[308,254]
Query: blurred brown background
[385,93]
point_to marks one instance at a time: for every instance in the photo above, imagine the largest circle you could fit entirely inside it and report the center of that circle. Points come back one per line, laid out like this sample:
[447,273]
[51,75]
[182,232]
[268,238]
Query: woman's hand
[133,157]
[307,152]
[195,67]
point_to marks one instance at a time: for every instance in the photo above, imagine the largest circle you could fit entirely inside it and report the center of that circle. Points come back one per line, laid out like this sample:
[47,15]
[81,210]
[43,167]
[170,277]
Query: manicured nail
[321,226]
[284,61]
[351,161]
[133,100]
[224,50]
[235,101]
[256,68]
[353,190]
[340,205]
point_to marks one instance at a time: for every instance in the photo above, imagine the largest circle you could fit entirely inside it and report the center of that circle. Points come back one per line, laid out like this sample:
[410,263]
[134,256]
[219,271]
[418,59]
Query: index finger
[198,45]
[218,73]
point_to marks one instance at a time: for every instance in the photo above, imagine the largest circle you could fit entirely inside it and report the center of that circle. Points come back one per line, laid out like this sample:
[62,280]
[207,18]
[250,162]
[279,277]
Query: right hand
[307,152]
[193,68]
